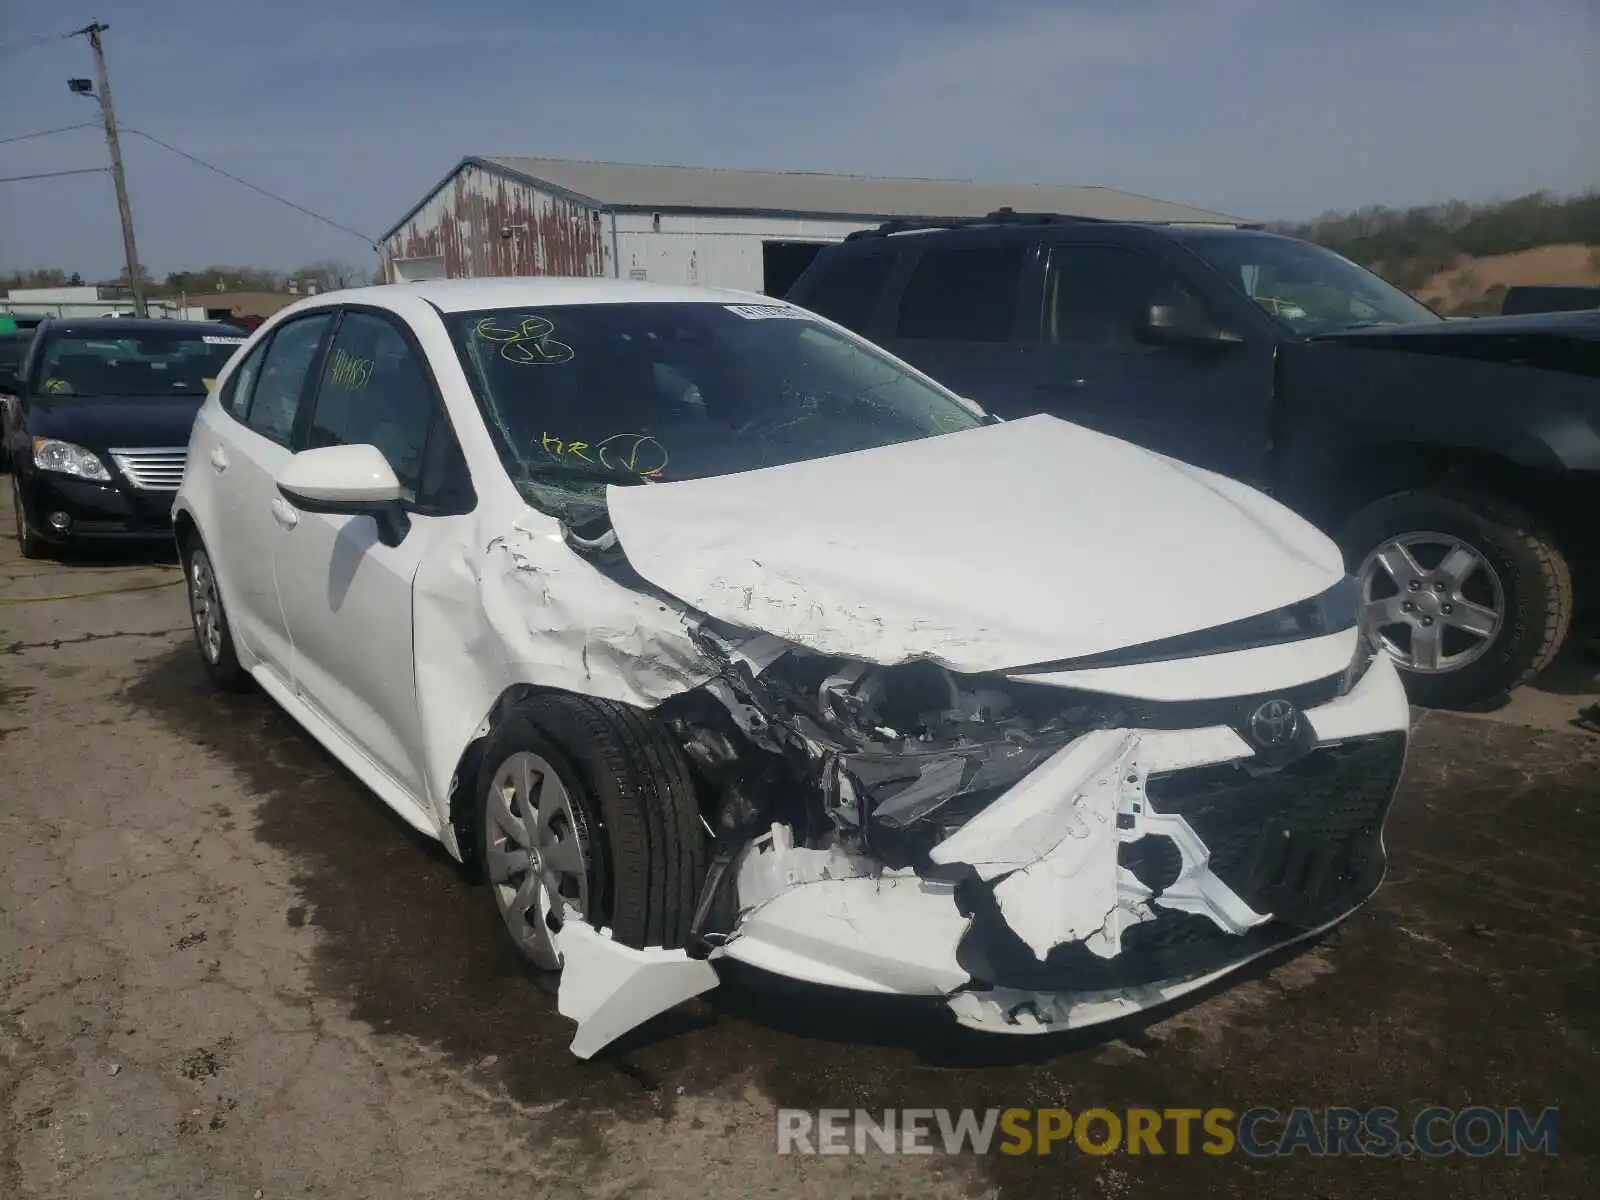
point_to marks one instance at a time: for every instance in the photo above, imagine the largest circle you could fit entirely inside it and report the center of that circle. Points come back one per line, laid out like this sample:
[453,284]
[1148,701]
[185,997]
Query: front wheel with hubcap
[1466,593]
[29,543]
[587,808]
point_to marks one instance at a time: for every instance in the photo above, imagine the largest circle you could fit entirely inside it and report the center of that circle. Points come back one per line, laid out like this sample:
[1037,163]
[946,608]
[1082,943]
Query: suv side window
[1099,295]
[276,398]
[849,286]
[375,392]
[963,294]
[235,398]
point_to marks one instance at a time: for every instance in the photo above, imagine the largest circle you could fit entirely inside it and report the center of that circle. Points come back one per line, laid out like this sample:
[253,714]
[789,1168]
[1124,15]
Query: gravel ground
[229,972]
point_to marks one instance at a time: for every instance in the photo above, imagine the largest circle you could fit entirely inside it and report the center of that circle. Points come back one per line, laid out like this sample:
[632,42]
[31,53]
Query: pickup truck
[1457,463]
[1556,298]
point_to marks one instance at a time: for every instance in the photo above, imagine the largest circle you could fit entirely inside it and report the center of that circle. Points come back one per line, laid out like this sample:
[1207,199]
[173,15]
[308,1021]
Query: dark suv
[1456,462]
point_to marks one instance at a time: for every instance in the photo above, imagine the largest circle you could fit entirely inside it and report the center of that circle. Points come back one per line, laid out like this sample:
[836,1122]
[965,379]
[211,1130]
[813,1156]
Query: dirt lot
[227,972]
[1469,277]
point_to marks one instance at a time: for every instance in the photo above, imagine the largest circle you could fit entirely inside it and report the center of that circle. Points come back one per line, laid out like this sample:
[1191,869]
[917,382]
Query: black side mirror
[1183,325]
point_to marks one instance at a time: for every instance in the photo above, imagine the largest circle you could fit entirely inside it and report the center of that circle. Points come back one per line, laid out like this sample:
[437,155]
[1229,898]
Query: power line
[42,39]
[300,208]
[22,137]
[52,174]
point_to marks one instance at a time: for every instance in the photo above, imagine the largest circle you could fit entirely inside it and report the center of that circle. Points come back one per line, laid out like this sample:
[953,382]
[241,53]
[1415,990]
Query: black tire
[29,543]
[635,798]
[1535,580]
[221,664]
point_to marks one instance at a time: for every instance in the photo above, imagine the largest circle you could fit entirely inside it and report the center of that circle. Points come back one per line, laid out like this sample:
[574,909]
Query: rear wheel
[1467,593]
[587,807]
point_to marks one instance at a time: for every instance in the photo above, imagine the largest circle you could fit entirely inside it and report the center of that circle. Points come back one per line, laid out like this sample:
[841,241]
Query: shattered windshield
[582,396]
[1307,287]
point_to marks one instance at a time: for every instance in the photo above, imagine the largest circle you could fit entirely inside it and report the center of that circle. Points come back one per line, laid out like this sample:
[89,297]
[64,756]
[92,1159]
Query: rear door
[238,447]
[961,317]
[347,596]
[1211,406]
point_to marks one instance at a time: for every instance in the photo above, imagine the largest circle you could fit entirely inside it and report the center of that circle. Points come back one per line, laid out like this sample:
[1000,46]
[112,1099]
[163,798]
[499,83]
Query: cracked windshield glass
[584,396]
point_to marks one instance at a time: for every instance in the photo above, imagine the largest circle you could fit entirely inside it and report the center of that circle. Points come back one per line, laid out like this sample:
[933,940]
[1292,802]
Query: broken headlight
[926,749]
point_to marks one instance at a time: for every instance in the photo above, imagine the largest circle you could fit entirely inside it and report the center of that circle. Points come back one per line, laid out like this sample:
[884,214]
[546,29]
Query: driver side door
[346,591]
[1210,407]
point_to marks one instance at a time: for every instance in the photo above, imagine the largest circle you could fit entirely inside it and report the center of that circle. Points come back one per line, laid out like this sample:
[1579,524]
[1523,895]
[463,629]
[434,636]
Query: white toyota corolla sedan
[700,629]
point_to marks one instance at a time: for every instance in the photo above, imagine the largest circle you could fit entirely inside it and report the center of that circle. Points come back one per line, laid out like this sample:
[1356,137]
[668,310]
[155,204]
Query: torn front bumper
[1130,867]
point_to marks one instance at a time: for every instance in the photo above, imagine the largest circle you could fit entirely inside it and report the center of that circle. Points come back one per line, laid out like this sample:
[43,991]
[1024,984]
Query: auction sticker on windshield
[212,340]
[767,312]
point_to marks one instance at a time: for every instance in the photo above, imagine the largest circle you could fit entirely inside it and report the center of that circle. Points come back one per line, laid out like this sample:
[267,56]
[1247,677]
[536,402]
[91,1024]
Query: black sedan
[100,423]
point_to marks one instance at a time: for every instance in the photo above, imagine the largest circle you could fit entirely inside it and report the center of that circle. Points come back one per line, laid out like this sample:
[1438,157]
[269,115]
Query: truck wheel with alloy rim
[212,634]
[588,806]
[1466,592]
[29,543]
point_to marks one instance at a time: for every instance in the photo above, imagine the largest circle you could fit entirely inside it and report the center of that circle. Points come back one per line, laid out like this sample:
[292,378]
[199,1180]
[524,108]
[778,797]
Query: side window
[374,391]
[963,295]
[1099,295]
[848,286]
[235,398]
[276,398]
[446,484]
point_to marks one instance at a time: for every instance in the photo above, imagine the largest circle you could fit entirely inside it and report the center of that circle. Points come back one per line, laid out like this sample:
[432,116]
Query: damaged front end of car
[1041,856]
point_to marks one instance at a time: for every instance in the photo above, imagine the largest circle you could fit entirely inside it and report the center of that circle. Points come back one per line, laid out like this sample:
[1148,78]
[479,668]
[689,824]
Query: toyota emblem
[1274,724]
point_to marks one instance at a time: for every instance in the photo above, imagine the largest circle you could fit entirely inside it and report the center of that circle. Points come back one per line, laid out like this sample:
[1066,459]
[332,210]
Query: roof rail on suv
[1005,216]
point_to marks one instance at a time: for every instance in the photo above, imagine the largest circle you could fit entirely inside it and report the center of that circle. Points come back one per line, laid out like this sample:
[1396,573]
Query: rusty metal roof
[636,187]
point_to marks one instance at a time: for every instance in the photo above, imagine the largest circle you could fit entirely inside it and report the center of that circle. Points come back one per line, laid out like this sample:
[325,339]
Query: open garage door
[783,262]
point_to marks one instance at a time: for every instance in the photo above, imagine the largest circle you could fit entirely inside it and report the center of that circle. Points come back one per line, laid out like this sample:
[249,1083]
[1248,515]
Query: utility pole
[109,117]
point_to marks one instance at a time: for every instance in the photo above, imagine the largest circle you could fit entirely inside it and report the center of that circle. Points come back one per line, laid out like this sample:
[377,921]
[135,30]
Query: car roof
[1044,227]
[122,327]
[467,295]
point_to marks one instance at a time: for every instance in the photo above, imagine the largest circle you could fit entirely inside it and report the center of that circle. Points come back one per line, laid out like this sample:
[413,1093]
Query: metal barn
[755,230]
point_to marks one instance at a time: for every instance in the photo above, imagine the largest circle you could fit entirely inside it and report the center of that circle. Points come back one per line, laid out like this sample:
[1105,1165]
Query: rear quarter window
[847,286]
[963,294]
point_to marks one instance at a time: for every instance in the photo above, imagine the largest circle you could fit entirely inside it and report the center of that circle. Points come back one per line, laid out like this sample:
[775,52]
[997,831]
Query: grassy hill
[1461,257]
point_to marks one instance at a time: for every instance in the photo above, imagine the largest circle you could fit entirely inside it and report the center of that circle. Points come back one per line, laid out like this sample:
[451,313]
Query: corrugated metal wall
[457,233]
[463,223]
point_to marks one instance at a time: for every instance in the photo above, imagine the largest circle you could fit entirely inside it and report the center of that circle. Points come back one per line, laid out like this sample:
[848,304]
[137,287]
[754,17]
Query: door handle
[284,514]
[219,459]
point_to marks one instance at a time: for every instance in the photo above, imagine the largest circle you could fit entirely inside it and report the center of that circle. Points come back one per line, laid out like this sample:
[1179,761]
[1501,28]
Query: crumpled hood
[1000,547]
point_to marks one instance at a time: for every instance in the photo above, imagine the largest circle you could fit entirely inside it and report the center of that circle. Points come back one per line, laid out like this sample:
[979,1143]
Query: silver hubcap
[1431,601]
[205,607]
[537,854]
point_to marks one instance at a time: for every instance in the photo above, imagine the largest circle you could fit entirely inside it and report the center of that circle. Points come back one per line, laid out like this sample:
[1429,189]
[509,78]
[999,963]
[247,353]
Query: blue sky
[354,108]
